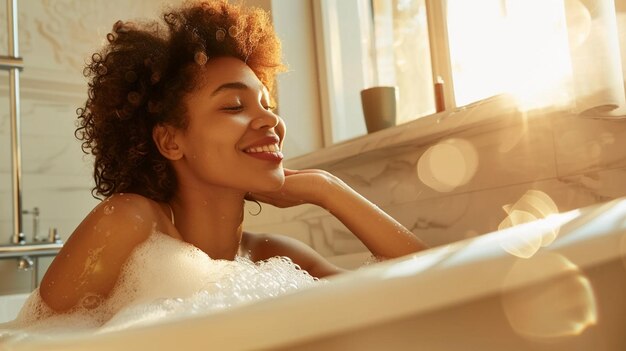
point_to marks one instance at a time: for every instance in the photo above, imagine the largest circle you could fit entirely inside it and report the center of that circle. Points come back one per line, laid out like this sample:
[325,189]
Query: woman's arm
[380,233]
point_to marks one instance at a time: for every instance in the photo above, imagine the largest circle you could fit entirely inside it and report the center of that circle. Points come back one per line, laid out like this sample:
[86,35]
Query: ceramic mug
[379,107]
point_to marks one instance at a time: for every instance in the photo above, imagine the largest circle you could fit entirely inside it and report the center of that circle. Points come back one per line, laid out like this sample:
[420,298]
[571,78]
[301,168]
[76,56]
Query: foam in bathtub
[165,277]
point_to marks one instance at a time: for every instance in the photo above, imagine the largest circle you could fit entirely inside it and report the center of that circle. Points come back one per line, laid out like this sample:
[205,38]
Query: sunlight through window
[520,47]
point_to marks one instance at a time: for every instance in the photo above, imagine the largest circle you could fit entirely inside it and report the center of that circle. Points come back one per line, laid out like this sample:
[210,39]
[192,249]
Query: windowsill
[418,132]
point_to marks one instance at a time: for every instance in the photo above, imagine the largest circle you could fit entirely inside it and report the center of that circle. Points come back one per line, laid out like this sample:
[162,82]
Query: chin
[267,183]
[275,184]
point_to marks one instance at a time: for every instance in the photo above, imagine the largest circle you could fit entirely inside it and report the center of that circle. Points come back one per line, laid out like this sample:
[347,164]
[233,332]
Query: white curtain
[598,77]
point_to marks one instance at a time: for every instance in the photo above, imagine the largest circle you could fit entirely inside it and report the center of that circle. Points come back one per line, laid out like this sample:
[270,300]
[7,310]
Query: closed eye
[241,107]
[233,108]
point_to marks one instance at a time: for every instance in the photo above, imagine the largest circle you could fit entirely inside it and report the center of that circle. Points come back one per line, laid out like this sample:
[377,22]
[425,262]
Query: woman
[181,124]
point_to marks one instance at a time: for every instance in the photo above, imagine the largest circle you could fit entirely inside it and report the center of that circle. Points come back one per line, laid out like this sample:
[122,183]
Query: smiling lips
[269,152]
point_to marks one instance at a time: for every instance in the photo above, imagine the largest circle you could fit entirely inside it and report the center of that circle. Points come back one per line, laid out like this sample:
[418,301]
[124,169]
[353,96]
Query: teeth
[264,148]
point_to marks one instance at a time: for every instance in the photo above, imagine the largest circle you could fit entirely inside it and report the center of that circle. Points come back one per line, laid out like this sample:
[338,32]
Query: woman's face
[233,138]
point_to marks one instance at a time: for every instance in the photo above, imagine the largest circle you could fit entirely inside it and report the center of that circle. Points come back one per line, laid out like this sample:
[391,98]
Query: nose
[265,119]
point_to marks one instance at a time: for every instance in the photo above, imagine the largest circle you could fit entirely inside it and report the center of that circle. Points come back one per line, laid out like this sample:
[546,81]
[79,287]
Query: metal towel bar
[31,250]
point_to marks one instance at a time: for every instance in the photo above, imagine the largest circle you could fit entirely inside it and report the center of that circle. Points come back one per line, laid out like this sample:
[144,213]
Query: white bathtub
[10,305]
[470,295]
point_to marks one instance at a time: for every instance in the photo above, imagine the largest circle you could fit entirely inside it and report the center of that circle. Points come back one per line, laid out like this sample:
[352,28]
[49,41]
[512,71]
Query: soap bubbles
[165,279]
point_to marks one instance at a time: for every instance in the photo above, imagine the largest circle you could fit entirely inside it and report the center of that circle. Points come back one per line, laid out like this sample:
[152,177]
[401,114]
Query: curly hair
[140,77]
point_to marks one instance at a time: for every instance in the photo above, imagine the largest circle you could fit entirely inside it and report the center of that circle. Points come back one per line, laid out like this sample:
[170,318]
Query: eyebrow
[227,86]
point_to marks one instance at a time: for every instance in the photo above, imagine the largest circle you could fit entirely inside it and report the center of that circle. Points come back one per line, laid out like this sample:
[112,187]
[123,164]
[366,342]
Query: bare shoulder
[264,246]
[92,257]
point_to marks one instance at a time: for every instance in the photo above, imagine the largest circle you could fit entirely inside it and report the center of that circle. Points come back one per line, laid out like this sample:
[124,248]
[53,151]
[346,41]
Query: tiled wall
[577,162]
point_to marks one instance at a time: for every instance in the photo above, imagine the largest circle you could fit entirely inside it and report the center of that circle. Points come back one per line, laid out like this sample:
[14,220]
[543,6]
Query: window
[372,43]
[401,55]
[563,53]
[542,52]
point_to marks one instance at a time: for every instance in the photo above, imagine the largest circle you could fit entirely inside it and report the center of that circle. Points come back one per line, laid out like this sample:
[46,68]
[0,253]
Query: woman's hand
[309,186]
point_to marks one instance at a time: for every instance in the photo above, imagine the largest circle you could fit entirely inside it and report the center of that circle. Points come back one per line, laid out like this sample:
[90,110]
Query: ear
[164,137]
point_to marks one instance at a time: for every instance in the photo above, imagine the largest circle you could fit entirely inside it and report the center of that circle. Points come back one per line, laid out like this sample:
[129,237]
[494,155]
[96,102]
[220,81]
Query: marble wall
[55,39]
[577,162]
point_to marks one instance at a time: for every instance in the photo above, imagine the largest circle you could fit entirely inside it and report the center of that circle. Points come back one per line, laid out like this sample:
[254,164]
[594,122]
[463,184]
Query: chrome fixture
[30,250]
[14,63]
[25,263]
[7,62]
[27,254]
[35,212]
[53,236]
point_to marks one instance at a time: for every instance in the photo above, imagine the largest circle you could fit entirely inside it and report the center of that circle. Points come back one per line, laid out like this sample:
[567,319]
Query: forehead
[221,70]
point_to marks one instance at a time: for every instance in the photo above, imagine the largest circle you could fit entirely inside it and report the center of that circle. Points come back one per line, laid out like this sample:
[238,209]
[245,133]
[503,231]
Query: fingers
[281,203]
[262,198]
[289,172]
[257,197]
[302,171]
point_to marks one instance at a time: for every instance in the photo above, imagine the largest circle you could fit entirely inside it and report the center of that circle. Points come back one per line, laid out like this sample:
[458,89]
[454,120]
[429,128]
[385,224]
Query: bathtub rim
[585,245]
[7,299]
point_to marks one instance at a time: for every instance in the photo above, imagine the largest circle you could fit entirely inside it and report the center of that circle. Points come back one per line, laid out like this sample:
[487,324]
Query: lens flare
[513,136]
[448,164]
[540,308]
[622,249]
[525,245]
[532,206]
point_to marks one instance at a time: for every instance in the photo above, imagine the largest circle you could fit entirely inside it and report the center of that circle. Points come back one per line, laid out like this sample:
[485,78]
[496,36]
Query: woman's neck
[210,220]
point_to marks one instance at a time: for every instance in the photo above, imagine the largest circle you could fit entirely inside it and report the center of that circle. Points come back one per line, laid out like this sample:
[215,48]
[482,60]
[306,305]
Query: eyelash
[240,107]
[233,108]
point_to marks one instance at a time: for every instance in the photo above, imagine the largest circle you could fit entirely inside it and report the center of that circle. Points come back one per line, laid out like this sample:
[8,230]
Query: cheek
[219,136]
[281,130]
[217,152]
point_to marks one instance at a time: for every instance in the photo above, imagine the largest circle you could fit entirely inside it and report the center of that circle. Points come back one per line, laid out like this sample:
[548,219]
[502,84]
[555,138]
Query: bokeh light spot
[539,308]
[532,206]
[448,164]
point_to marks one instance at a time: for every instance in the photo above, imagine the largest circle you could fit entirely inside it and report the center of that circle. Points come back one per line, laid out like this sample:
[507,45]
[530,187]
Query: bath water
[164,279]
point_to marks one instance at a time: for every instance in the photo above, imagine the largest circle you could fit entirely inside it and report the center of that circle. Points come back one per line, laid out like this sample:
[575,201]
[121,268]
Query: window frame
[329,58]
